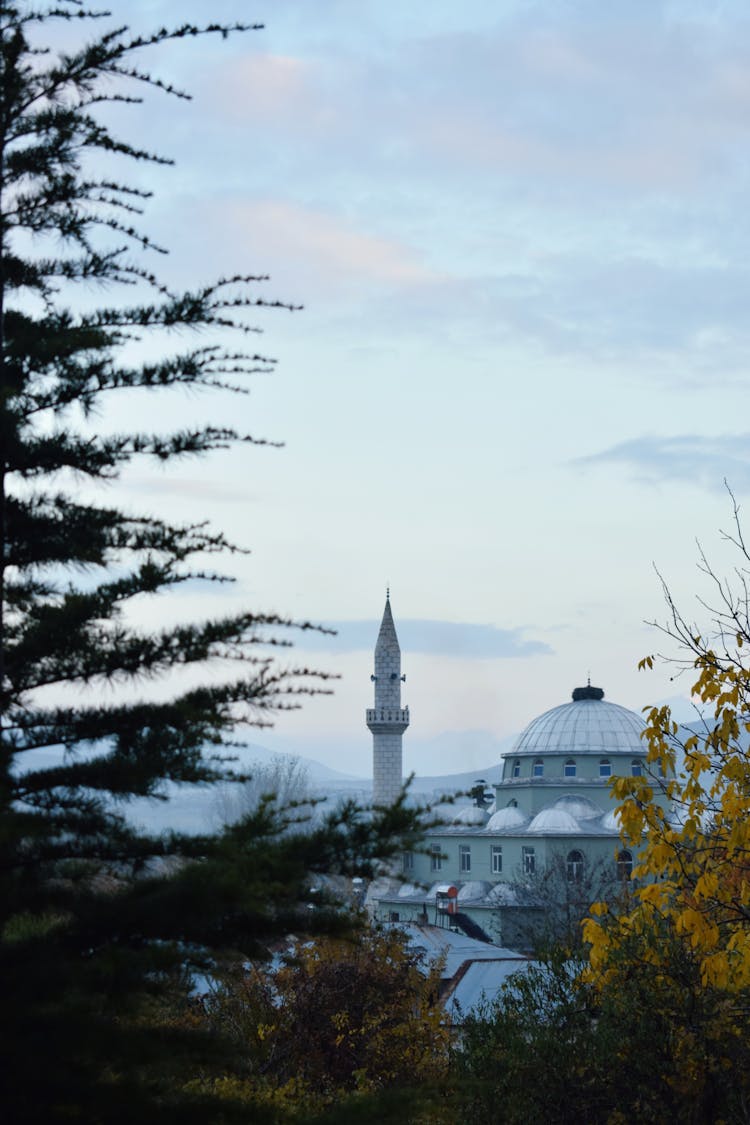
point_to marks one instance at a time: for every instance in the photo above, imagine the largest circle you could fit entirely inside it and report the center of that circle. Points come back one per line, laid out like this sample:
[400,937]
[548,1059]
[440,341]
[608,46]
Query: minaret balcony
[387,719]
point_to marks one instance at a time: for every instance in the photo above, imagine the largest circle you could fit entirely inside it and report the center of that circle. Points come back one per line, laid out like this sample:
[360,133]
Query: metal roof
[480,984]
[585,726]
[457,948]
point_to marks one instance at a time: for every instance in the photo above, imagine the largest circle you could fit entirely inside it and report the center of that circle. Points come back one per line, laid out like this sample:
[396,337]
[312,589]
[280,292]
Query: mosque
[552,805]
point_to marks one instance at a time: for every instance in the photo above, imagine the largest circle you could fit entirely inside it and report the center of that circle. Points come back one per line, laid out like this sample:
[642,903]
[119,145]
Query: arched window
[575,866]
[636,767]
[624,865]
[513,803]
[569,769]
[517,768]
[605,768]
[538,770]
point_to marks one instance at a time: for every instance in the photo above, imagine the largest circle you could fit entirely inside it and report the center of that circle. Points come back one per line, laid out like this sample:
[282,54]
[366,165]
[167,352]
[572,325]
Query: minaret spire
[387,720]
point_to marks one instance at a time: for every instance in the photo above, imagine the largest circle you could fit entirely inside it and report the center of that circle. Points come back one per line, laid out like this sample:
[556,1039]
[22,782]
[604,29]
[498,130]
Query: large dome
[588,725]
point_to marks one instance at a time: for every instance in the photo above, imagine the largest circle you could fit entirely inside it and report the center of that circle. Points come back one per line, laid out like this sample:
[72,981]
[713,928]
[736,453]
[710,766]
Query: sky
[520,234]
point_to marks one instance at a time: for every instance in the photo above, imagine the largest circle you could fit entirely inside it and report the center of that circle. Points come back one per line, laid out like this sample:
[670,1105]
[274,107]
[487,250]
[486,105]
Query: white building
[553,804]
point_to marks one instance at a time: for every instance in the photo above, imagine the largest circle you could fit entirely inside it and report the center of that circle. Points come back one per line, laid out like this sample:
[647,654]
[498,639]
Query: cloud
[201,489]
[264,85]
[332,244]
[436,638]
[591,93]
[686,458]
[316,249]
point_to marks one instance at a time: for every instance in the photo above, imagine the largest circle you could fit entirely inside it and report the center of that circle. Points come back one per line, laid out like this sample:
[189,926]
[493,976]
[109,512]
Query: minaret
[388,719]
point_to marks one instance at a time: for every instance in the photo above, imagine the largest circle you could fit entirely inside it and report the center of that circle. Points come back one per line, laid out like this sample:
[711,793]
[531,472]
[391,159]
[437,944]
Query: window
[605,768]
[575,866]
[464,858]
[538,770]
[497,859]
[528,861]
[408,861]
[517,768]
[436,858]
[636,768]
[624,865]
[569,768]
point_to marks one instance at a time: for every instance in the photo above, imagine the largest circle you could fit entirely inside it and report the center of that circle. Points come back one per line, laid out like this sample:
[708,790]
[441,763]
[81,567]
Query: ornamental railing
[387,715]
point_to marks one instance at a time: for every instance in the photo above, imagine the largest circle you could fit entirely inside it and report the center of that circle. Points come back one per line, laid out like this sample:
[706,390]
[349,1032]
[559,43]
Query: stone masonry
[387,719]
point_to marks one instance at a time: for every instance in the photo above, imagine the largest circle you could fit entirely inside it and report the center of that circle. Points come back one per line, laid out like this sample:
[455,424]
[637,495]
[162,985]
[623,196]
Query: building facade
[552,808]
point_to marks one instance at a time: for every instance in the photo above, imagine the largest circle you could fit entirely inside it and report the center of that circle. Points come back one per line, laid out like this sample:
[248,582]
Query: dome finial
[388,593]
[587,692]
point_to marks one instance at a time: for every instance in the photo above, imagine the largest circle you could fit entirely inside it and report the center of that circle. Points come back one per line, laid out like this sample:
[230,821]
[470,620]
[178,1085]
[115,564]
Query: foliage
[522,1058]
[284,780]
[336,1019]
[656,1026]
[686,937]
[557,1049]
[96,919]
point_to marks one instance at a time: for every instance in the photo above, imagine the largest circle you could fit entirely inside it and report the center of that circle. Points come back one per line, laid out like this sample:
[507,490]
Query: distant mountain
[192,808]
[439,755]
[433,756]
[318,772]
[453,782]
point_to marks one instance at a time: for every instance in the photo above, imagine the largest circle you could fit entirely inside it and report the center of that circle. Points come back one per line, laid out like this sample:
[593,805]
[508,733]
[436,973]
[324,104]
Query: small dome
[554,820]
[471,815]
[611,821]
[509,817]
[579,807]
[503,894]
[476,889]
[443,814]
[407,889]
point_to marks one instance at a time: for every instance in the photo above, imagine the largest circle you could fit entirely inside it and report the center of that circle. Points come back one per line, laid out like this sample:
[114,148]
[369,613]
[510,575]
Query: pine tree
[91,929]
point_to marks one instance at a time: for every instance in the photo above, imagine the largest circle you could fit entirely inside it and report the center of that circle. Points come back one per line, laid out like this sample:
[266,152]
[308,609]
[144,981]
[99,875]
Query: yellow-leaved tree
[352,1023]
[683,943]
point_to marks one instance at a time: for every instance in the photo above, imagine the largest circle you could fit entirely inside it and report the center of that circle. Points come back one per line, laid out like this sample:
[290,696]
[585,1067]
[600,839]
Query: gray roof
[473,972]
[387,639]
[585,726]
[480,984]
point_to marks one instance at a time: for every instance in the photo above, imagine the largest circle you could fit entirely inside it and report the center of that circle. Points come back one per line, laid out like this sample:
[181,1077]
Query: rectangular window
[408,861]
[497,859]
[529,861]
[464,856]
[436,858]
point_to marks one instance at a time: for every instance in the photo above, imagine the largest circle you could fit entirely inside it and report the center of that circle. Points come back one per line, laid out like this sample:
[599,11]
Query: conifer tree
[90,930]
